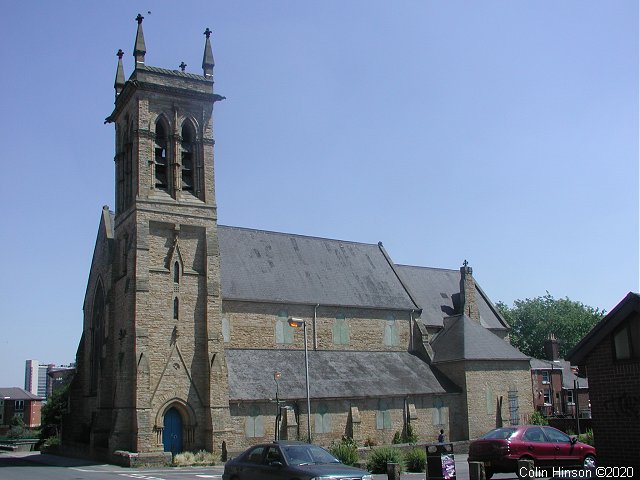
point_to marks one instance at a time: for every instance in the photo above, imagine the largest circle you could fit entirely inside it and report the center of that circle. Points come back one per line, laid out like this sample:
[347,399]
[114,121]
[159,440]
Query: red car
[500,449]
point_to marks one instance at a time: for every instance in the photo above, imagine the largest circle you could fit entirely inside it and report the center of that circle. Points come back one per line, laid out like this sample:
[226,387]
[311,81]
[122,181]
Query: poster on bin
[448,467]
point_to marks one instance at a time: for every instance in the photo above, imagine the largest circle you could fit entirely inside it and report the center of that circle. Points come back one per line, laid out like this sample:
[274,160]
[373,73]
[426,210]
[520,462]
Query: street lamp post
[296,323]
[276,377]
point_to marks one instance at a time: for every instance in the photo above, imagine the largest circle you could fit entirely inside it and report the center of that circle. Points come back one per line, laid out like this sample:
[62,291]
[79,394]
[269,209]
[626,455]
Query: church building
[194,333]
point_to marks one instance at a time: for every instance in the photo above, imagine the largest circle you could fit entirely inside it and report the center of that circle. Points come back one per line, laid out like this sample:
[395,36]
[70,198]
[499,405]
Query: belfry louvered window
[161,157]
[188,157]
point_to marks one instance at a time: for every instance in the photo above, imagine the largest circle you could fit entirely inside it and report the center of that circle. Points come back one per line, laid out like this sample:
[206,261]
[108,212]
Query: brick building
[16,402]
[186,321]
[557,390]
[610,354]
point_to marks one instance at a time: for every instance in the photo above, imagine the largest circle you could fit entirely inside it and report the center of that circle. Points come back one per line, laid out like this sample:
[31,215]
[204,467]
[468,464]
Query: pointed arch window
[97,337]
[188,157]
[128,167]
[160,157]
[176,272]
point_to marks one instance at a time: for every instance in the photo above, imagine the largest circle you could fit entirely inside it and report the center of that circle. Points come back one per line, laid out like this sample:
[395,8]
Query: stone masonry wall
[486,381]
[428,415]
[253,325]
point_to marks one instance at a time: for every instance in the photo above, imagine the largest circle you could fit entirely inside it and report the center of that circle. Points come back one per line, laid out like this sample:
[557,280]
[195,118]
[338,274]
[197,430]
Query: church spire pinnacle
[140,48]
[119,83]
[207,58]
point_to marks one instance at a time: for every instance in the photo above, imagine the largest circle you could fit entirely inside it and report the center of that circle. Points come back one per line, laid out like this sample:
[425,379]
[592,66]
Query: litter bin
[441,463]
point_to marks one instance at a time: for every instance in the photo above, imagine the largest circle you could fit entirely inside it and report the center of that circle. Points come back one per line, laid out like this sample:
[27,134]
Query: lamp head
[296,322]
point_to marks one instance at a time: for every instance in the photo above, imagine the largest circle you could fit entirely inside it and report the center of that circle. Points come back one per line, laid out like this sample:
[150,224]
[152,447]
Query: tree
[52,412]
[532,320]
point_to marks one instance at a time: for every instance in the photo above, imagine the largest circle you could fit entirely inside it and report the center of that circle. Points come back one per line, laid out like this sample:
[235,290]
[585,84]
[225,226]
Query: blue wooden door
[172,433]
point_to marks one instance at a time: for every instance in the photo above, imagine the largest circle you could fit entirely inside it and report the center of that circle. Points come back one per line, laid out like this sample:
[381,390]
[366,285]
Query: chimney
[551,351]
[468,293]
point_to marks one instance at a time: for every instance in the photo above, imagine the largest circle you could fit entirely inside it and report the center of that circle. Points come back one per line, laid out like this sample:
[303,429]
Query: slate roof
[464,339]
[332,374]
[15,393]
[567,372]
[437,292]
[628,306]
[258,265]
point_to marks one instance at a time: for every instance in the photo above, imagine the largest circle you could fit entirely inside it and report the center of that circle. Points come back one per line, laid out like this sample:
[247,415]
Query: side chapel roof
[463,339]
[332,374]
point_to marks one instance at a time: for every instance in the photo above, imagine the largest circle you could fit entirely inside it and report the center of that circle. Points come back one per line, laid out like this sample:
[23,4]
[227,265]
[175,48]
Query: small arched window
[176,307]
[97,337]
[188,157]
[160,157]
[176,272]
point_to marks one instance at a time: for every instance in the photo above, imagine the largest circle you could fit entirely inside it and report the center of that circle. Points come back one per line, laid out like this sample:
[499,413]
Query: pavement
[215,472]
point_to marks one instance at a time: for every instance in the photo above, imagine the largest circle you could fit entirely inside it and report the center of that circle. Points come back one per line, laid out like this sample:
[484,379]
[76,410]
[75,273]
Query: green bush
[416,460]
[410,437]
[587,437]
[538,419]
[379,457]
[346,451]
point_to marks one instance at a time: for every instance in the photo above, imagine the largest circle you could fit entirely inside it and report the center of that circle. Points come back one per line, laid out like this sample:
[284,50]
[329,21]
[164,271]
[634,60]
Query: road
[35,466]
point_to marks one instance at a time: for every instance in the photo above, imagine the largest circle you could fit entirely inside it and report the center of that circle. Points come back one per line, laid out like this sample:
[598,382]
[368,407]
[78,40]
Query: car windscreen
[307,454]
[499,433]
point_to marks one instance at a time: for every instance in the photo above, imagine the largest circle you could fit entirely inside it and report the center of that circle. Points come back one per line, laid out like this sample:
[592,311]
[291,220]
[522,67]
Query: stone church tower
[151,368]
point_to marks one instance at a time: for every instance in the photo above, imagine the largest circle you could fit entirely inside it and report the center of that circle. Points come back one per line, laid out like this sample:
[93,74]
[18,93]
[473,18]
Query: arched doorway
[172,432]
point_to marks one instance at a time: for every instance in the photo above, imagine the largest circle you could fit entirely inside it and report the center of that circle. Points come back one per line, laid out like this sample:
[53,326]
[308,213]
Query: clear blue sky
[502,132]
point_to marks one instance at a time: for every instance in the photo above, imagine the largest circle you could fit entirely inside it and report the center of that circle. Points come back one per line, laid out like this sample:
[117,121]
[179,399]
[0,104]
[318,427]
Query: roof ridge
[427,267]
[298,235]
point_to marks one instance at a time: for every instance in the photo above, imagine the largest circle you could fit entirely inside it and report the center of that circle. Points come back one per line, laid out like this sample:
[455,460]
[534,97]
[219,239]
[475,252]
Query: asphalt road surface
[36,466]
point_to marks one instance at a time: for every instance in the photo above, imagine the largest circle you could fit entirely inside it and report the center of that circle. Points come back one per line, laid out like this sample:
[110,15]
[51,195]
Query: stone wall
[361,419]
[487,381]
[253,325]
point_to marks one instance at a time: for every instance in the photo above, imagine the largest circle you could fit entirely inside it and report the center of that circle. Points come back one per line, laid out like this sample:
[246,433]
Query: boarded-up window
[284,331]
[437,417]
[340,331]
[254,424]
[391,332]
[383,416]
[323,419]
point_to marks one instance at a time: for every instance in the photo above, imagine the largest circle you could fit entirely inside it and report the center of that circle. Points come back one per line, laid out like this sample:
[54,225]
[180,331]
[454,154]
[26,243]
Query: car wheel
[488,473]
[589,462]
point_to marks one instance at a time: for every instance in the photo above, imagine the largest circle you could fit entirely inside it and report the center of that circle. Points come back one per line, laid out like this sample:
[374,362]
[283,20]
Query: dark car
[501,448]
[289,461]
